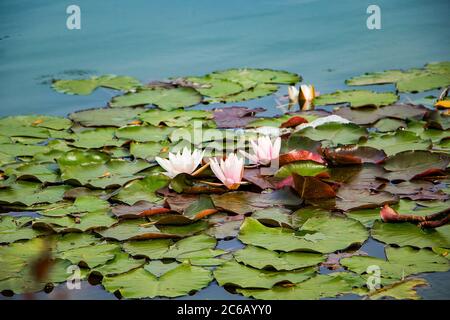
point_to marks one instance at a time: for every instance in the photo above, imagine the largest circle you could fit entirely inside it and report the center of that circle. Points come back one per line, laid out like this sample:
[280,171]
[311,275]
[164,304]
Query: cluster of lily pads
[88,190]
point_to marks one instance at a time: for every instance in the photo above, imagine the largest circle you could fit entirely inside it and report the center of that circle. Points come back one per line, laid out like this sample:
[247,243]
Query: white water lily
[182,162]
[320,121]
[306,93]
[229,171]
[264,150]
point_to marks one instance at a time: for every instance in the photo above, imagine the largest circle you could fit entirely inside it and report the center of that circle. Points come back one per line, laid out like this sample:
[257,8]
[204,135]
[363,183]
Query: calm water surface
[324,41]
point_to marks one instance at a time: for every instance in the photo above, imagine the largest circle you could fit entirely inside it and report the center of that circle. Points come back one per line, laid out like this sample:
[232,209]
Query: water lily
[306,93]
[229,171]
[264,150]
[182,162]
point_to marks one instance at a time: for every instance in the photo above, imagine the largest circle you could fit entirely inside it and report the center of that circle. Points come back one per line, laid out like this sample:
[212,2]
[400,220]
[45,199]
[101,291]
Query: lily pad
[320,286]
[12,230]
[263,259]
[336,233]
[215,87]
[174,118]
[29,193]
[433,76]
[106,117]
[140,283]
[335,133]
[398,142]
[96,138]
[303,168]
[121,263]
[143,133]
[233,273]
[403,290]
[409,164]
[164,98]
[357,98]
[248,77]
[87,86]
[400,263]
[37,121]
[143,189]
[91,256]
[408,234]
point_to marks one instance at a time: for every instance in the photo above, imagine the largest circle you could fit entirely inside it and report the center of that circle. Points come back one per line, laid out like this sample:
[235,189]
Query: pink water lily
[264,150]
[229,171]
[182,162]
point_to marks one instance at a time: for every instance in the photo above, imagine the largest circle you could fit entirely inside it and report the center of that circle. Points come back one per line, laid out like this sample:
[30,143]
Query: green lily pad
[366,216]
[37,121]
[175,118]
[144,133]
[303,168]
[398,142]
[158,267]
[94,169]
[388,125]
[106,117]
[233,273]
[87,86]
[249,77]
[433,76]
[407,234]
[82,204]
[143,189]
[29,193]
[400,263]
[134,230]
[258,91]
[357,98]
[91,256]
[140,283]
[12,230]
[96,138]
[263,259]
[149,150]
[164,98]
[121,263]
[320,286]
[44,172]
[242,202]
[215,87]
[403,290]
[91,220]
[408,164]
[323,234]
[335,133]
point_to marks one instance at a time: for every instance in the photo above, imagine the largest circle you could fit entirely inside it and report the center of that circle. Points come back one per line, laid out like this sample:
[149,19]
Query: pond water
[324,41]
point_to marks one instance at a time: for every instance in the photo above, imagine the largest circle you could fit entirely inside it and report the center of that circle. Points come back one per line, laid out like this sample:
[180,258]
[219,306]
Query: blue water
[324,41]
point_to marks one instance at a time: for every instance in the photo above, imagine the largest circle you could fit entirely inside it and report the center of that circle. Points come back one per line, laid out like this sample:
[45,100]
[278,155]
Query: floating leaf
[433,76]
[241,202]
[410,164]
[215,87]
[37,121]
[12,230]
[400,263]
[121,263]
[320,286]
[248,77]
[91,256]
[262,259]
[303,168]
[357,98]
[29,193]
[96,138]
[407,234]
[235,117]
[398,142]
[400,290]
[164,98]
[353,154]
[258,91]
[368,115]
[140,283]
[144,133]
[337,234]
[143,189]
[335,133]
[175,118]
[97,170]
[233,273]
[87,86]
[106,117]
